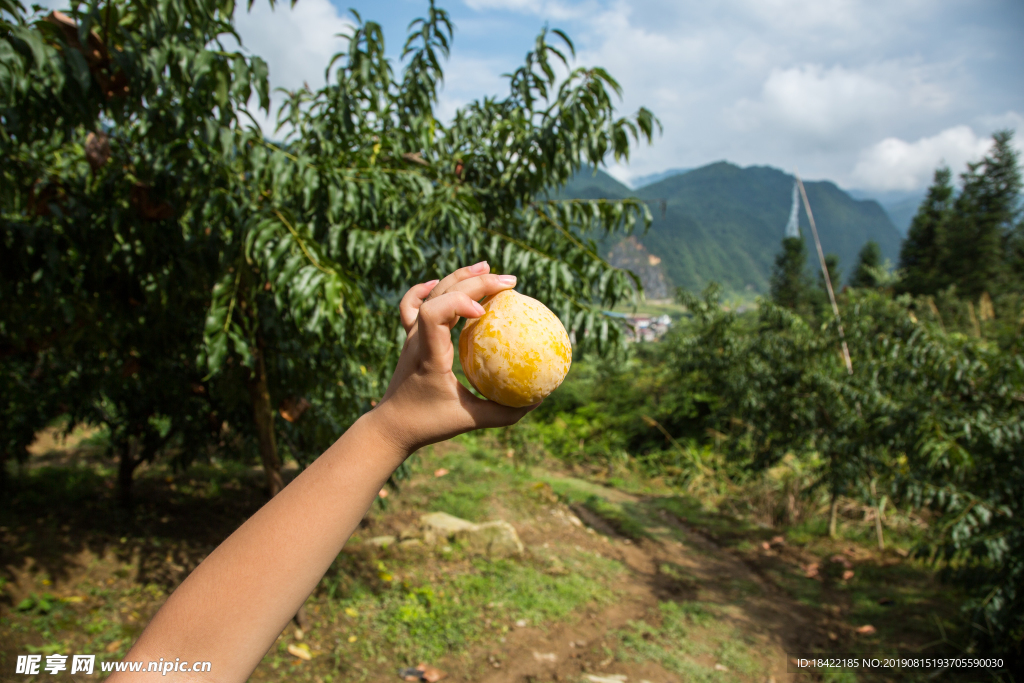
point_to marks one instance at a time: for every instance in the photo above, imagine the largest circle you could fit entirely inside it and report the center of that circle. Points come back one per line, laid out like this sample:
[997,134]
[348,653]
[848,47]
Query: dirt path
[673,564]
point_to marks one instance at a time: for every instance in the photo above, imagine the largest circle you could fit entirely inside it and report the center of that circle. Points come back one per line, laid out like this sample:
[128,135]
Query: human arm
[233,606]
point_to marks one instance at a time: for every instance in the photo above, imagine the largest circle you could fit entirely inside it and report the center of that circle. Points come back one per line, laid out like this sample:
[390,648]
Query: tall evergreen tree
[820,302]
[790,285]
[1015,254]
[921,253]
[975,251]
[835,276]
[865,275]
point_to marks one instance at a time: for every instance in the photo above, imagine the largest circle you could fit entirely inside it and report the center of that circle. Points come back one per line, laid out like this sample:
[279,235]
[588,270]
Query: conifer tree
[920,255]
[790,285]
[865,275]
[821,304]
[975,250]
[835,275]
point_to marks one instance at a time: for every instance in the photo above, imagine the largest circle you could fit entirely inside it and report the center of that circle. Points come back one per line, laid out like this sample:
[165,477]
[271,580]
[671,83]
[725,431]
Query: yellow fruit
[517,352]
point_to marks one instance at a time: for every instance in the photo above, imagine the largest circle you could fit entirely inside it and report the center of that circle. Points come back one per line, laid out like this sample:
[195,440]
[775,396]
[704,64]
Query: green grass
[625,518]
[417,620]
[687,631]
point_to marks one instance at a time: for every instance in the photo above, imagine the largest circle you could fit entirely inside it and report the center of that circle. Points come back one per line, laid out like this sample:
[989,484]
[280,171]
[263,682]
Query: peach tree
[183,278]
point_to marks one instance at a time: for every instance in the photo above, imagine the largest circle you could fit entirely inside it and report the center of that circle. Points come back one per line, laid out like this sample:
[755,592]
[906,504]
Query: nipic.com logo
[30,665]
[55,664]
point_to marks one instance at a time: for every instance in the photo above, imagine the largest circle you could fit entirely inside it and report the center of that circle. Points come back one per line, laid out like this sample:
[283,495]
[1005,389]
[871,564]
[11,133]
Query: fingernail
[431,283]
[478,267]
[478,309]
[507,279]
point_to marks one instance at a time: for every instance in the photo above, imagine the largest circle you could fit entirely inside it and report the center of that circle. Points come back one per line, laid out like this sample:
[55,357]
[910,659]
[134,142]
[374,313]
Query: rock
[443,524]
[494,539]
[381,541]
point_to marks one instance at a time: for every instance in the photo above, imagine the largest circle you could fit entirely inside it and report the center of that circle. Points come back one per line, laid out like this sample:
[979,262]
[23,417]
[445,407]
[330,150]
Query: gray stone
[381,541]
[494,539]
[443,525]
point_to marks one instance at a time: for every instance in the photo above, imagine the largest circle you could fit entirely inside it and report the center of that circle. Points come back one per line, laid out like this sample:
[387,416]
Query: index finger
[458,276]
[409,306]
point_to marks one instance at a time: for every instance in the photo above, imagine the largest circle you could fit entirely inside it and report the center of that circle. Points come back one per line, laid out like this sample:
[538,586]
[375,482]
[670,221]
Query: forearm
[233,606]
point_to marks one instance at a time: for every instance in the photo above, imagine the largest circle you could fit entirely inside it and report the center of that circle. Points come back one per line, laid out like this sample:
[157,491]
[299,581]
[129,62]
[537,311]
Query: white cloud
[807,15]
[525,6]
[818,101]
[549,9]
[804,83]
[894,164]
[1010,120]
[468,78]
[297,43]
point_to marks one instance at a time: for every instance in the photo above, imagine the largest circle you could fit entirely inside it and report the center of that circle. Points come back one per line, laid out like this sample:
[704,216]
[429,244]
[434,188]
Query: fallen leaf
[720,667]
[299,634]
[301,651]
[778,540]
[841,560]
[383,493]
[113,647]
[545,657]
[766,545]
[610,678]
[866,628]
[847,575]
[521,623]
[351,611]
[440,472]
[352,639]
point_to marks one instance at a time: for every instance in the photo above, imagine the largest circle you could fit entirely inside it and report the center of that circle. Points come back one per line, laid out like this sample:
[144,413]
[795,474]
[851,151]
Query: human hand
[424,402]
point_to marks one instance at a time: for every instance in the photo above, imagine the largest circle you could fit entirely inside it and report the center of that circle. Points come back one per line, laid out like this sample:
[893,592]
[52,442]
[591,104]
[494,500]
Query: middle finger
[480,286]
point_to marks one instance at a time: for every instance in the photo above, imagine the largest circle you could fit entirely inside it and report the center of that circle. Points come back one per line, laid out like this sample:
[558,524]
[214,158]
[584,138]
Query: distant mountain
[645,180]
[901,205]
[725,223]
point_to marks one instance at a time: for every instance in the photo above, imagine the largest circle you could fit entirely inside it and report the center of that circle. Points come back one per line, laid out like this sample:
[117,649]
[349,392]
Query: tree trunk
[126,466]
[263,417]
[833,513]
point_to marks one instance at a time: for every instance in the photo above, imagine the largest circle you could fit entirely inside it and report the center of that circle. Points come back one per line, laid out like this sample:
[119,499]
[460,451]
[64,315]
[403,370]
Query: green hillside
[724,223]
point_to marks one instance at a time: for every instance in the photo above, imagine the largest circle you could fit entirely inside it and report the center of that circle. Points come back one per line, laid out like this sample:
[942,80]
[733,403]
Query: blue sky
[870,94]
